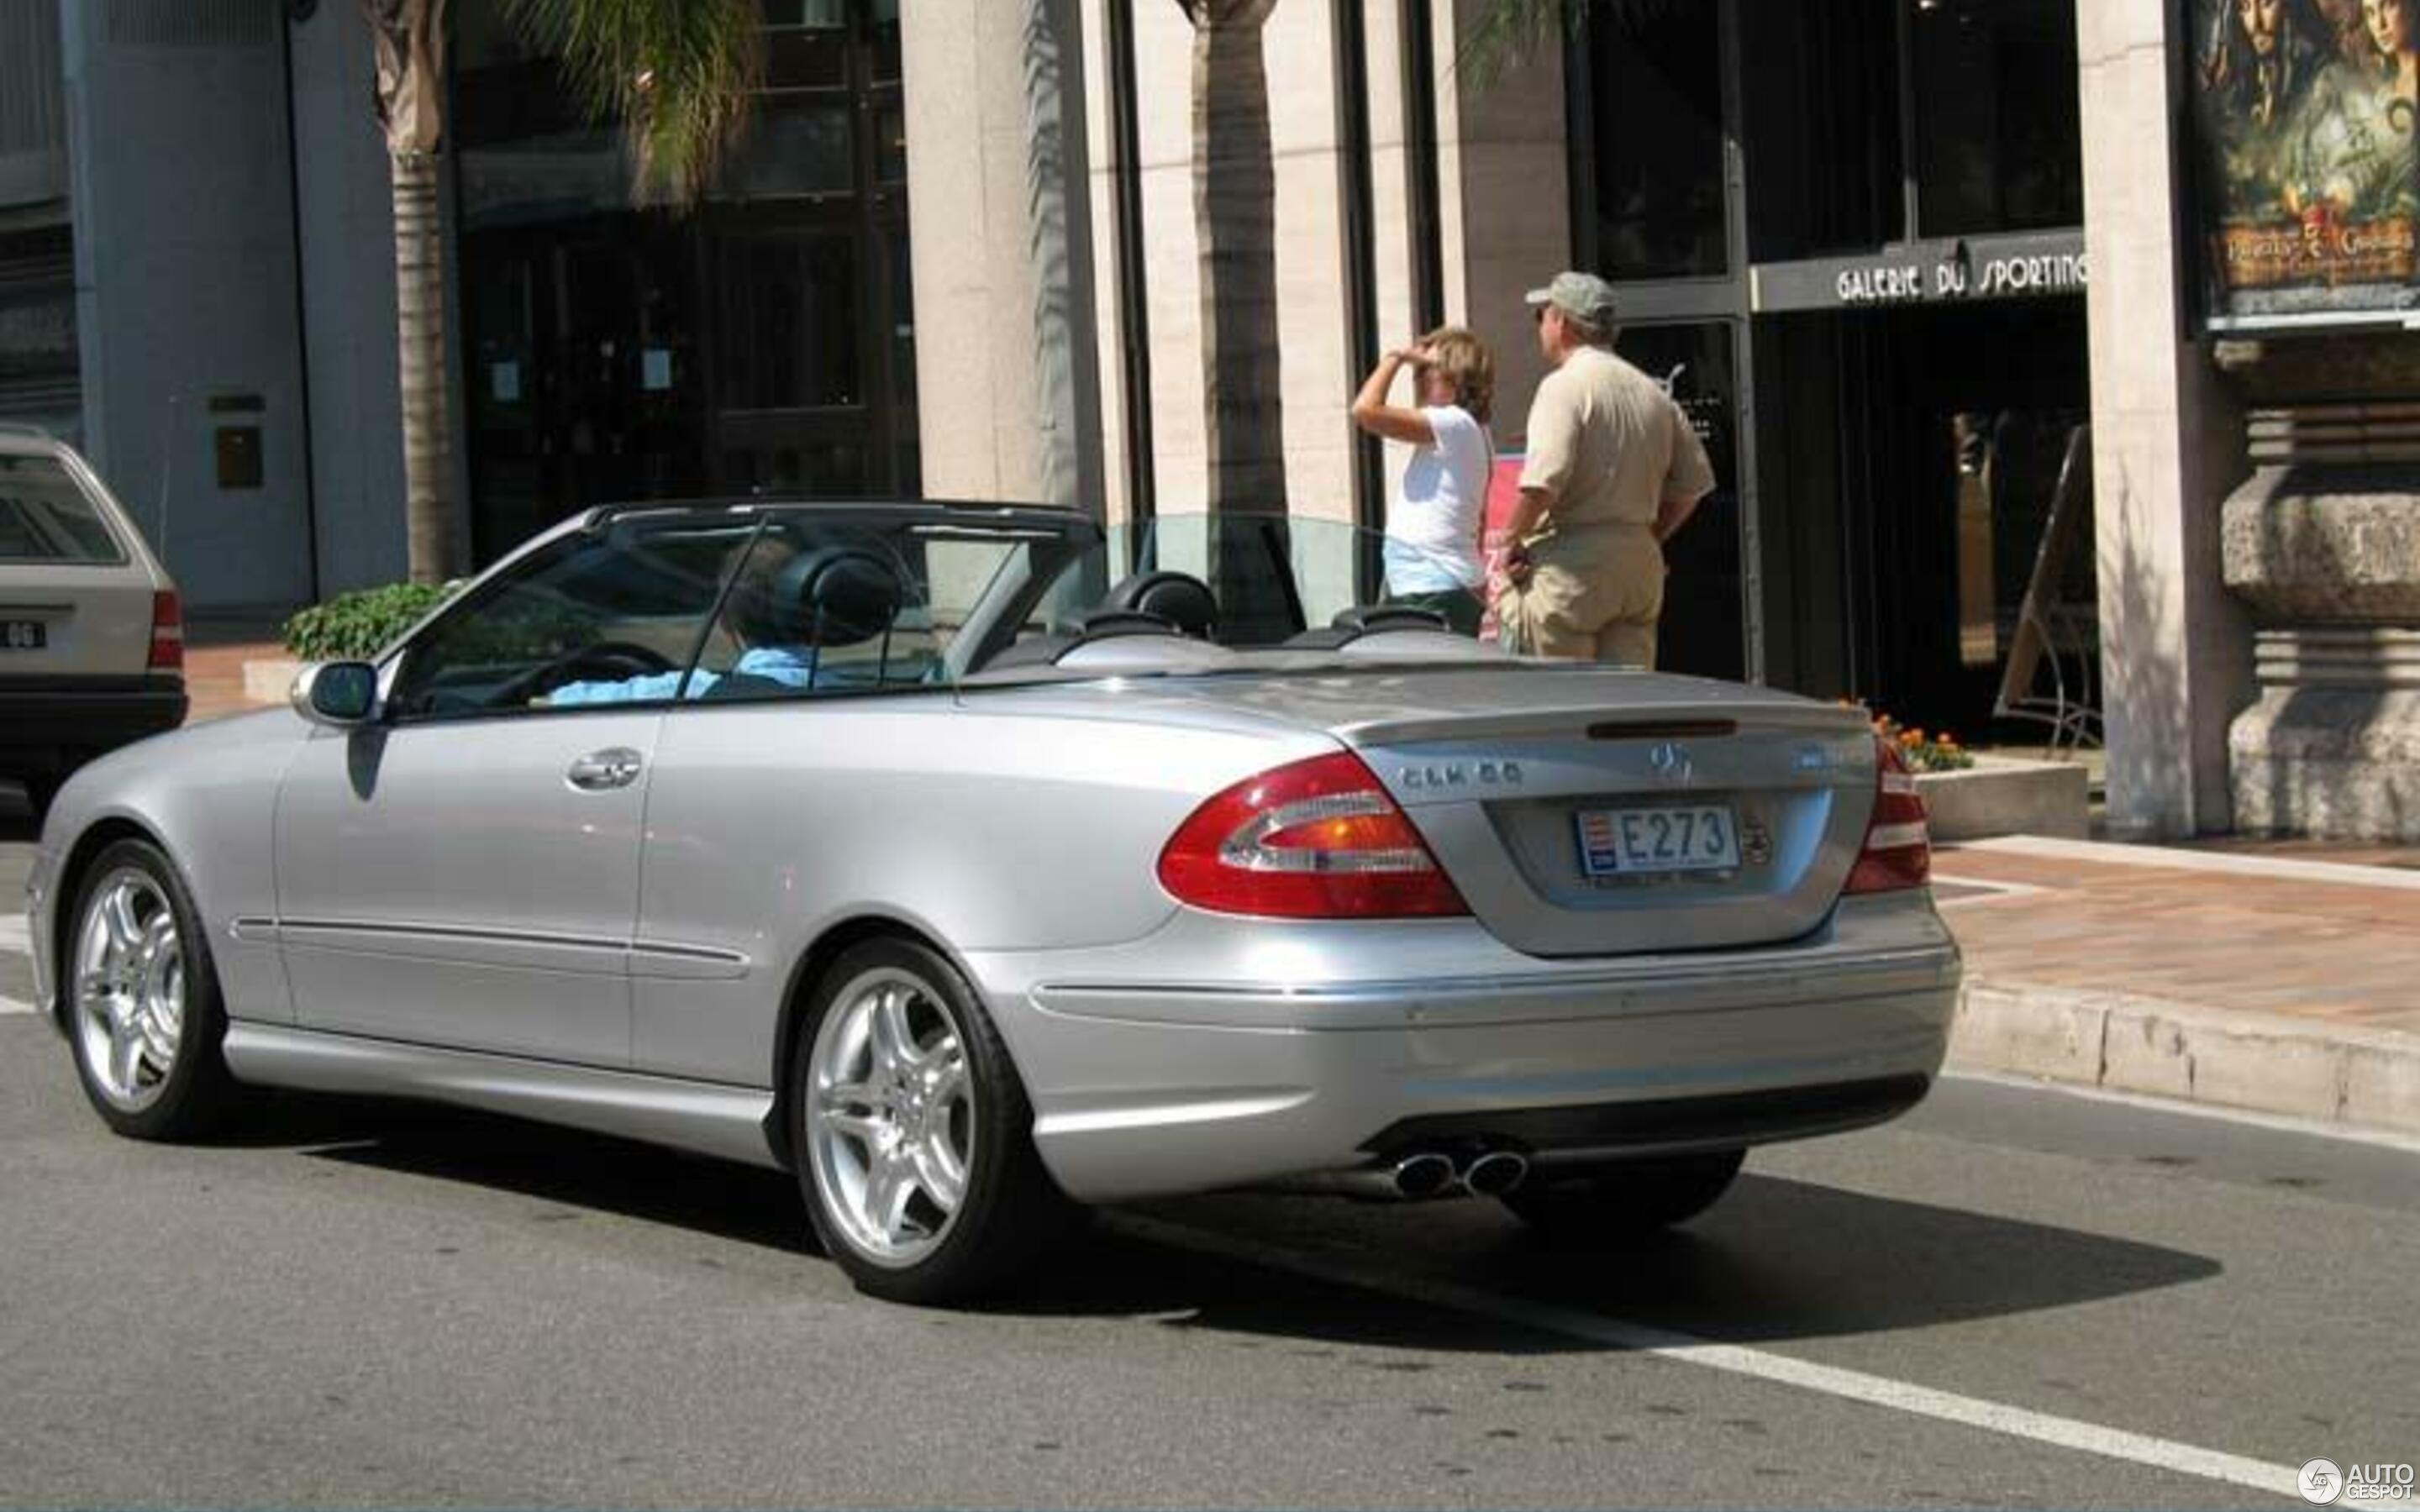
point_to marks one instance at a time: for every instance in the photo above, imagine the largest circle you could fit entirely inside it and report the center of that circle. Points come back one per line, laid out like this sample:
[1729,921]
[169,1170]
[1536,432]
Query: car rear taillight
[1316,838]
[168,633]
[1898,841]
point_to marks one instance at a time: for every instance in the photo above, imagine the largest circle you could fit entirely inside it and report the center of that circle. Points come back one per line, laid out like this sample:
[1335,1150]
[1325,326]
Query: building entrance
[762,342]
[1911,457]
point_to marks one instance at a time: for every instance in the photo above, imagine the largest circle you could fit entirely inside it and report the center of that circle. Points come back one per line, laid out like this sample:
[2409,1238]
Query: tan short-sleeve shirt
[1609,445]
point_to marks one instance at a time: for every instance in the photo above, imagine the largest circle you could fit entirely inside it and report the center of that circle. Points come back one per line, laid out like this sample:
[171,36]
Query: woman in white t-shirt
[1433,532]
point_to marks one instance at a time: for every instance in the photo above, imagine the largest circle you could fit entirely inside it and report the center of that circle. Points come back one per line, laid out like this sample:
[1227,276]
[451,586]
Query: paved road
[2014,1297]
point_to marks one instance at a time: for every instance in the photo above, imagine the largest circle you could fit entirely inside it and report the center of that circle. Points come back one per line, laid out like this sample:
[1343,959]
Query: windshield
[1200,592]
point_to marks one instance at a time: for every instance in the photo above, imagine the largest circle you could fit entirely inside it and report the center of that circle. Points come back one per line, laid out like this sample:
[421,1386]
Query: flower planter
[2005,795]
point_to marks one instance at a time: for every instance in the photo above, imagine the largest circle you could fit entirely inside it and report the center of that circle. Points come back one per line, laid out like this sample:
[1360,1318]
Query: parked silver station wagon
[92,639]
[977,865]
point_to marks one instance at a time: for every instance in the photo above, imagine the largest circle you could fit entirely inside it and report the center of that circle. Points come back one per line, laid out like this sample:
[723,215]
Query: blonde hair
[1468,364]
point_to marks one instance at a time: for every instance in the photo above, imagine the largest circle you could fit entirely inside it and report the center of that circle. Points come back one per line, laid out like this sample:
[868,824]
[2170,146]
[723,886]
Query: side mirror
[341,695]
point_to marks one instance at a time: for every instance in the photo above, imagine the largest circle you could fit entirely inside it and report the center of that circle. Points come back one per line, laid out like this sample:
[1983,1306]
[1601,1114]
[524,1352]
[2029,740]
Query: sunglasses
[1538,313]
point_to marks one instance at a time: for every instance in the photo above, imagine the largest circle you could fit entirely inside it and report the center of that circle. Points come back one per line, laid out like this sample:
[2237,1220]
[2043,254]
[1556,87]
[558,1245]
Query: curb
[2127,1043]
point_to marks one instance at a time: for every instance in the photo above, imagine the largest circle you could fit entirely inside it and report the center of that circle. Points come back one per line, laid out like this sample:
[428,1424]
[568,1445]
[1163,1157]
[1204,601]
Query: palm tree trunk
[1235,214]
[420,333]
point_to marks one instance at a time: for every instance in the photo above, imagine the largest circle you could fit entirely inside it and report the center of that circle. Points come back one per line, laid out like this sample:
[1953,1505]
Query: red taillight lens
[168,633]
[1317,839]
[1898,841]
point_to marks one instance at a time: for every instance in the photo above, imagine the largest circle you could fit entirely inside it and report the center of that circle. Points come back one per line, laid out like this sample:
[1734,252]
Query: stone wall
[2322,544]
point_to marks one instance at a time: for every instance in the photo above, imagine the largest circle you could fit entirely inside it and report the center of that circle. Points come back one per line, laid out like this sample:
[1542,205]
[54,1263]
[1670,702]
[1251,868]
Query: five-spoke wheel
[129,987]
[145,1015]
[893,1121]
[912,1133]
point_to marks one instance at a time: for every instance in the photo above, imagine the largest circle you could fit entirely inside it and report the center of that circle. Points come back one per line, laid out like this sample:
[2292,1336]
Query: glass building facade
[761,342]
[1849,237]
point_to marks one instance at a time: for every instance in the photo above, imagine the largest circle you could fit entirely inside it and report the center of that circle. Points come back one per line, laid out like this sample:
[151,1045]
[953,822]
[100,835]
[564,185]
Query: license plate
[1626,842]
[24,635]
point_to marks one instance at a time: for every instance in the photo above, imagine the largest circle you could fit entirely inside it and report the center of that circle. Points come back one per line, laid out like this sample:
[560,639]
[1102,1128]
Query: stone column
[2174,646]
[2323,544]
[1504,170]
[1000,226]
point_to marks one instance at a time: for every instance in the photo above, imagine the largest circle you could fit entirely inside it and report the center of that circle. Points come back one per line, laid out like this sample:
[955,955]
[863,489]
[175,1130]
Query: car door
[463,871]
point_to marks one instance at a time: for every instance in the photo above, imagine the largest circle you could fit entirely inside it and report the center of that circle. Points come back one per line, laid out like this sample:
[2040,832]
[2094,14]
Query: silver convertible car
[978,866]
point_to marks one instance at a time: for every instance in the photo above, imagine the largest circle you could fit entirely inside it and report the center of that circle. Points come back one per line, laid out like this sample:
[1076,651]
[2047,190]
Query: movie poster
[2311,175]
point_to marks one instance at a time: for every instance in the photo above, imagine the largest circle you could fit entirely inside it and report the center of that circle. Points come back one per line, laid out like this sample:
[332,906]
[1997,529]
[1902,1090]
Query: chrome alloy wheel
[891,1120]
[129,988]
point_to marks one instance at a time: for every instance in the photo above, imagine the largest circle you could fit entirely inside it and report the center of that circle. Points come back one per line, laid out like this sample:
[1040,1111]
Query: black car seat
[840,596]
[1351,624]
[1182,600]
[1147,603]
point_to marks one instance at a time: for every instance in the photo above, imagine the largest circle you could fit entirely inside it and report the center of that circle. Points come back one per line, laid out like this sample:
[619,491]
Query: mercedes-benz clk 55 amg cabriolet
[978,865]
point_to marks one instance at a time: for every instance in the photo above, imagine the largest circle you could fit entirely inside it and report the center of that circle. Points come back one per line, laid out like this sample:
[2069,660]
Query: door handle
[616,766]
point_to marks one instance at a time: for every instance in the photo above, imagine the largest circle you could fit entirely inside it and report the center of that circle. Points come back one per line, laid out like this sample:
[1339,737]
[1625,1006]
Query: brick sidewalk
[2341,951]
[214,677]
[2286,984]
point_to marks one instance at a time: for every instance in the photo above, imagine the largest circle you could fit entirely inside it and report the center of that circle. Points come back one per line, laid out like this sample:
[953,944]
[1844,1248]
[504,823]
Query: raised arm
[1372,413]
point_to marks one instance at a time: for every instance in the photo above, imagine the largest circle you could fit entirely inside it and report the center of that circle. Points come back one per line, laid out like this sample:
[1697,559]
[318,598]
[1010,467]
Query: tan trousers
[1589,598]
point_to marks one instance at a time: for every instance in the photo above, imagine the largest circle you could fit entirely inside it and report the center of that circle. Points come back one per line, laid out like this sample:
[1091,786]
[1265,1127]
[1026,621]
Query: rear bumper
[49,725]
[1146,1089]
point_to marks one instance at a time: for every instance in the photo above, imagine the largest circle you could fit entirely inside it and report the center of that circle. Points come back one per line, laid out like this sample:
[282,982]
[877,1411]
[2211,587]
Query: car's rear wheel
[145,1018]
[912,1131]
[1628,1201]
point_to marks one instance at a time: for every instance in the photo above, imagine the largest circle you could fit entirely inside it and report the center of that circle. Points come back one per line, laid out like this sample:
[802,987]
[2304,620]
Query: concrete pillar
[186,316]
[2176,651]
[999,215]
[1504,171]
[346,211]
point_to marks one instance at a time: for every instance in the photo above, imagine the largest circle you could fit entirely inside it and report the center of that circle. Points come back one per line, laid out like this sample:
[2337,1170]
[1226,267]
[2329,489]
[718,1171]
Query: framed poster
[2303,113]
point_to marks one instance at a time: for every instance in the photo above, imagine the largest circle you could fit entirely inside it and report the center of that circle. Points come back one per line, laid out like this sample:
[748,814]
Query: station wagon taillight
[1898,839]
[168,633]
[1316,838]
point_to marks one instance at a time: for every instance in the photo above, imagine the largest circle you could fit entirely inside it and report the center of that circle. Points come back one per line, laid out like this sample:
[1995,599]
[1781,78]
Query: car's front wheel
[1630,1200]
[912,1133]
[145,1019]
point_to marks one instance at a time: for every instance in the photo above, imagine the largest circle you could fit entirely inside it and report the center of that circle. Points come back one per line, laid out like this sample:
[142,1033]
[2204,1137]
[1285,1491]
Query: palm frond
[679,74]
[1511,31]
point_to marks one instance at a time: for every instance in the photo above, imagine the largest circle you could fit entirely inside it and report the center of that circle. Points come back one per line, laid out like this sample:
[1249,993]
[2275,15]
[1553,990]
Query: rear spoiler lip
[1597,722]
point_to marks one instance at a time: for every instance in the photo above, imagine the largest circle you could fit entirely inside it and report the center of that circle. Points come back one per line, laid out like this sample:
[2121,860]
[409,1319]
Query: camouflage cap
[1584,297]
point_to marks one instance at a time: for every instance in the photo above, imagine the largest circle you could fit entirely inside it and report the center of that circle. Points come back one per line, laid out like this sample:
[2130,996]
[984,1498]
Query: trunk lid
[1591,811]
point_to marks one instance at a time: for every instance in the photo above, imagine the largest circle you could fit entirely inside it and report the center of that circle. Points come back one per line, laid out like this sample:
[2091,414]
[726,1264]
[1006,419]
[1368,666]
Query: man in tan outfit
[1614,468]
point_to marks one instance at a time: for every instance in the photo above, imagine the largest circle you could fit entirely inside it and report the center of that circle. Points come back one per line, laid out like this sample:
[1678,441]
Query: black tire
[1010,1211]
[196,1093]
[1627,1202]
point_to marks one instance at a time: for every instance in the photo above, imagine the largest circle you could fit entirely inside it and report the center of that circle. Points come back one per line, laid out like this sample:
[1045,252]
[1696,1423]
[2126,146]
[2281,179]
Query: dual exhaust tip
[1432,1173]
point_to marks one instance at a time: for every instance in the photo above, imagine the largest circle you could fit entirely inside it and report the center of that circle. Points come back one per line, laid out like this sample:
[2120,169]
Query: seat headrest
[837,596]
[1185,602]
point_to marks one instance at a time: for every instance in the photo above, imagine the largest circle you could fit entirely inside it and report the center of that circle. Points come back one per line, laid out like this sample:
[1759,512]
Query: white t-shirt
[1433,533]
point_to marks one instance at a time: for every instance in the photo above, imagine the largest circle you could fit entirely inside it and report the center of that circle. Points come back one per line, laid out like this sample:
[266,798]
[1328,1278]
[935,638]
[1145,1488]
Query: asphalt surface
[353,1303]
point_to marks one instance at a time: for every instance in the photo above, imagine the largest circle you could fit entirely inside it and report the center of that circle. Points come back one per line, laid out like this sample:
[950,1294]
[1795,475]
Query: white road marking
[2108,854]
[2274,1122]
[10,1005]
[1853,1385]
[14,935]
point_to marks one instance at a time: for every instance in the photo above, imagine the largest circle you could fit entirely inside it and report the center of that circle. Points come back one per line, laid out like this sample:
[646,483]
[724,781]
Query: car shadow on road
[1778,1259]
